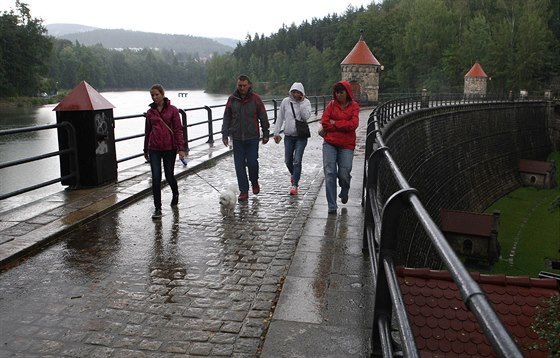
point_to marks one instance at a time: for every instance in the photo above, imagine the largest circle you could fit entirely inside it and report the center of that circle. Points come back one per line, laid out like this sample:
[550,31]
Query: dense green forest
[420,43]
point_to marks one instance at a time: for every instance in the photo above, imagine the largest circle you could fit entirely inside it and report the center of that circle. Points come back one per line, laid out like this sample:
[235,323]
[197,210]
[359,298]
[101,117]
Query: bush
[547,324]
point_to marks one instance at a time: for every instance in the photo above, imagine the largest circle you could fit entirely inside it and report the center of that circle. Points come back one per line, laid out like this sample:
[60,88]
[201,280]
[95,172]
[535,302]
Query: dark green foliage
[428,44]
[420,43]
[547,325]
[24,52]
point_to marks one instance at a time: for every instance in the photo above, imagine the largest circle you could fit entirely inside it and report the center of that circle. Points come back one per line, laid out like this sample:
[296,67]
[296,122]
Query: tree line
[420,43]
[32,63]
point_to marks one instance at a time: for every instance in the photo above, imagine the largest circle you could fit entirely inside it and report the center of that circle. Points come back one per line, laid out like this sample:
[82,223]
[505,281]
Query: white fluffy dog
[228,200]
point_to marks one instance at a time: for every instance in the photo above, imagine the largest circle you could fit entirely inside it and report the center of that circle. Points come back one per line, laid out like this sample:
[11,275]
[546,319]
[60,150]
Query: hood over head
[347,86]
[298,86]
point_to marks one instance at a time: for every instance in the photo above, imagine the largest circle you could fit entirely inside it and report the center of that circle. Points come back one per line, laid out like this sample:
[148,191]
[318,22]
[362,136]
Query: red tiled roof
[83,98]
[476,71]
[360,55]
[463,222]
[444,327]
[534,166]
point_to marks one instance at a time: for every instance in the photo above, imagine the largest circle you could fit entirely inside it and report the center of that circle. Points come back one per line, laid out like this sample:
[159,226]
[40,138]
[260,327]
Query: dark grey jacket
[242,117]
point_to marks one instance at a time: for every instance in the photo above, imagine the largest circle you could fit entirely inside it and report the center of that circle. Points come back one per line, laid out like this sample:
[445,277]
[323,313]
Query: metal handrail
[316,101]
[71,150]
[380,238]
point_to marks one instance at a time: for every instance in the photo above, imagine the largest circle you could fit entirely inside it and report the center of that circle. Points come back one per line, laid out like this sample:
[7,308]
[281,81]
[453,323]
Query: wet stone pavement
[196,283]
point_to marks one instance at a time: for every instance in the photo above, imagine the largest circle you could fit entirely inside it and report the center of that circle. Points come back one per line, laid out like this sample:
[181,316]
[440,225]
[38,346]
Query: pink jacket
[343,132]
[157,136]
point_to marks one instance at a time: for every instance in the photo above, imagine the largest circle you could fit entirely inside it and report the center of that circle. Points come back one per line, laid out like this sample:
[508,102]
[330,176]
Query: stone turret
[362,70]
[475,82]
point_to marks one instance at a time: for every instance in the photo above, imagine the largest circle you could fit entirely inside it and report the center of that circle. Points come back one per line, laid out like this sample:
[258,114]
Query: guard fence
[212,126]
[383,212]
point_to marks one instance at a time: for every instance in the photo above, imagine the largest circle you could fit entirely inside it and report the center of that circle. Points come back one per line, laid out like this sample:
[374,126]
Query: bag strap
[170,130]
[165,124]
[293,111]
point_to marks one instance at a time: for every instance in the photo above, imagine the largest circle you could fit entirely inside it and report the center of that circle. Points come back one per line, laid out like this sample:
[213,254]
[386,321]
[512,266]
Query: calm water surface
[126,103]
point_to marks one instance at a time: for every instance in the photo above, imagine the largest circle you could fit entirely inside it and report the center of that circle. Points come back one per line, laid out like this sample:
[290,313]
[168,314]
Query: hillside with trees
[121,39]
[420,43]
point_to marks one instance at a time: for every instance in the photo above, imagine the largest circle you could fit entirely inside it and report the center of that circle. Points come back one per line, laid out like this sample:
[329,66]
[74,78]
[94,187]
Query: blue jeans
[246,154]
[337,163]
[293,155]
[168,157]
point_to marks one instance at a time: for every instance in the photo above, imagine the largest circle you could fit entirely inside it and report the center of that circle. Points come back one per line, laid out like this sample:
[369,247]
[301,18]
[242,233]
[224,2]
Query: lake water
[15,147]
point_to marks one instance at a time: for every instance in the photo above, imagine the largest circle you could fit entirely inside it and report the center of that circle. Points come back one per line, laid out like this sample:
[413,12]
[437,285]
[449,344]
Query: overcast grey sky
[206,18]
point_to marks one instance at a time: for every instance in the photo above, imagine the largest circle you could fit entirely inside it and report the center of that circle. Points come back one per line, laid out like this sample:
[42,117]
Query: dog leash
[206,181]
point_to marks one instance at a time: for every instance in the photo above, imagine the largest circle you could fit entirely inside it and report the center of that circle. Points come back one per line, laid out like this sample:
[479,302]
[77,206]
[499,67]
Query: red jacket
[156,134]
[343,132]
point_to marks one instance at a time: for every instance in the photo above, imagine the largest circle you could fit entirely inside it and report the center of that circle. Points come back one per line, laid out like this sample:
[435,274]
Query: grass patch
[529,232]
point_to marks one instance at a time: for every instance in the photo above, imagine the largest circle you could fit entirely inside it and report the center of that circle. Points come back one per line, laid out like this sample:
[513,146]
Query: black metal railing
[383,212]
[71,151]
[318,103]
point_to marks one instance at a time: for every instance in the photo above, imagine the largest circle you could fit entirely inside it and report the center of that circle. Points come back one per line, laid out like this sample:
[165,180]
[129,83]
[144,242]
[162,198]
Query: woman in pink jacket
[163,139]
[340,121]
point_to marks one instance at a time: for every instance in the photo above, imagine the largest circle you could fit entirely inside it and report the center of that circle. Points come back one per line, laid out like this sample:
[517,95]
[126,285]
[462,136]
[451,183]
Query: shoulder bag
[301,126]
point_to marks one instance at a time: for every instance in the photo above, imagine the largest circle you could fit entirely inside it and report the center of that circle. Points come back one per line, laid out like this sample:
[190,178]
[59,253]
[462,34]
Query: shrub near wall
[461,158]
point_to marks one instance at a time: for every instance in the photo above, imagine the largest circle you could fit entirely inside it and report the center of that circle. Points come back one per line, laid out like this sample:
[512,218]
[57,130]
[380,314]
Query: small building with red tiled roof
[362,70]
[472,235]
[444,327]
[476,82]
[91,115]
[540,174]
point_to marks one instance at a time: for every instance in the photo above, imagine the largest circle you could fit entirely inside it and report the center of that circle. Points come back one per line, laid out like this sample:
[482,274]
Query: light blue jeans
[293,155]
[337,164]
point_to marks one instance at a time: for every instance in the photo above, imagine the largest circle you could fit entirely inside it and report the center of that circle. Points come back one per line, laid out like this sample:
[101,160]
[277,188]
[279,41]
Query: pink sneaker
[294,190]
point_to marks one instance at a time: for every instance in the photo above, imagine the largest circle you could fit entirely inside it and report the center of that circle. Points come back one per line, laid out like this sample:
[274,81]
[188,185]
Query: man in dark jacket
[244,116]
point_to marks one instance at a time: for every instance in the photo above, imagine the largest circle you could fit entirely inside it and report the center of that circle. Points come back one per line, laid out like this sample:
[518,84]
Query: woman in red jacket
[340,121]
[163,139]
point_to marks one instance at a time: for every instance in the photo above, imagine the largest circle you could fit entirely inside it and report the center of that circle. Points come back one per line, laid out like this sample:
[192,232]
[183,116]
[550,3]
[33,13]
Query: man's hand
[225,140]
[265,140]
[277,139]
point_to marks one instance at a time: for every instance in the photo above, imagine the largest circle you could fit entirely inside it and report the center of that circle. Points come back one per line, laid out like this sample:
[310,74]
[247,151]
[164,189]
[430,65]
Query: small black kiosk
[91,115]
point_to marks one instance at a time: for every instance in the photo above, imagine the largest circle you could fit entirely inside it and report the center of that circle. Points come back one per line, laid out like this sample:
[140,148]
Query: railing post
[185,132]
[210,125]
[275,104]
[425,99]
[316,100]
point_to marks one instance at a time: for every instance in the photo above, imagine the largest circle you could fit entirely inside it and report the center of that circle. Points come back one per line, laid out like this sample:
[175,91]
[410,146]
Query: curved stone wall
[462,158]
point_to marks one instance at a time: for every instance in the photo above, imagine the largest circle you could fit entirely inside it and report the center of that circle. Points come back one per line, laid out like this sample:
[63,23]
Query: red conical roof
[476,71]
[360,55]
[83,98]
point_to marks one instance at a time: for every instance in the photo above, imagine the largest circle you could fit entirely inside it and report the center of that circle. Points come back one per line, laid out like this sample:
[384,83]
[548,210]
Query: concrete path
[88,273]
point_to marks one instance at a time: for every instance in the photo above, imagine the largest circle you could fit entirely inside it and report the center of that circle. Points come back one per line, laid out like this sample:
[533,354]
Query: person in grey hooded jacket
[293,108]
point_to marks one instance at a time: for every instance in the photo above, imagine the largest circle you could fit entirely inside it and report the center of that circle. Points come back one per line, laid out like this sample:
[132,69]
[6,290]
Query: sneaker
[332,212]
[243,196]
[256,188]
[294,190]
[175,200]
[157,214]
[344,198]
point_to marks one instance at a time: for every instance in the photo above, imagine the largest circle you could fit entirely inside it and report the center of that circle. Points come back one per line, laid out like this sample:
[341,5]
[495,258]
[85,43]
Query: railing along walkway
[380,237]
